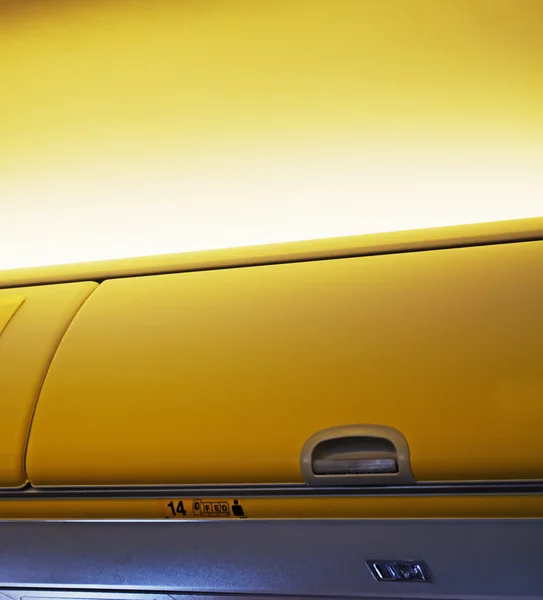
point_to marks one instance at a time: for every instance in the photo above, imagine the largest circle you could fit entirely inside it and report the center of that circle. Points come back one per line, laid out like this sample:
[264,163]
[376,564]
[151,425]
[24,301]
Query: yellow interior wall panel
[166,126]
[221,376]
[381,507]
[38,319]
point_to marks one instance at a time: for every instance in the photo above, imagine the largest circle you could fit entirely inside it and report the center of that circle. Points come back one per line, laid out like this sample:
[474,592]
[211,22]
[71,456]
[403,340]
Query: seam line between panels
[214,265]
[44,376]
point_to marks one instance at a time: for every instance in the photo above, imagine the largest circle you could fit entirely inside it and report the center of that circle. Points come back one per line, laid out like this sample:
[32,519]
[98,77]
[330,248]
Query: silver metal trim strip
[520,487]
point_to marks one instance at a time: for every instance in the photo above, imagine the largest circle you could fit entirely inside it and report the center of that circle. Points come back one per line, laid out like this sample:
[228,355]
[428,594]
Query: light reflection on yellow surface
[131,128]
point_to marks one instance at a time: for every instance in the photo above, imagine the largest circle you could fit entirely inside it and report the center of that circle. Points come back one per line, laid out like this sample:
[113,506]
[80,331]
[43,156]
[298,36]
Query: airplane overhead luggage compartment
[222,376]
[32,323]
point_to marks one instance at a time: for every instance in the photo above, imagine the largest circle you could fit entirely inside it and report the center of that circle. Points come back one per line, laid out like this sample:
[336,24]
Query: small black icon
[237,510]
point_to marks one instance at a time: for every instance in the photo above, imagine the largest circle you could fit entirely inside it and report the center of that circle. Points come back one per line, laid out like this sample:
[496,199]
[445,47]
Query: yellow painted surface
[361,245]
[27,345]
[287,508]
[187,125]
[221,376]
[8,307]
[172,72]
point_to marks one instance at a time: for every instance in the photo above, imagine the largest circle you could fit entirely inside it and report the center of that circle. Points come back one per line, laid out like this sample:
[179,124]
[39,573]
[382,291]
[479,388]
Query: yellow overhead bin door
[32,323]
[222,376]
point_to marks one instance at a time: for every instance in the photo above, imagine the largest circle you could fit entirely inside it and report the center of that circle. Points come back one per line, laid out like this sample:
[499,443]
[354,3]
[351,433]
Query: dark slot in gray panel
[466,558]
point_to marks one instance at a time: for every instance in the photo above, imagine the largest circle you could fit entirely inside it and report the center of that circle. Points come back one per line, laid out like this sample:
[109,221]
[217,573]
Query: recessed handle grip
[357,455]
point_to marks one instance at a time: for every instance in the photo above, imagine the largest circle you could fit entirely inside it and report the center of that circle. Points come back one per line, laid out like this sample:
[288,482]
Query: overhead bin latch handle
[357,455]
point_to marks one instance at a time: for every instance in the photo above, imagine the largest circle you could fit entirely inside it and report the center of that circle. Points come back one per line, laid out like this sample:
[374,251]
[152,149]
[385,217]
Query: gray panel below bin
[467,558]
